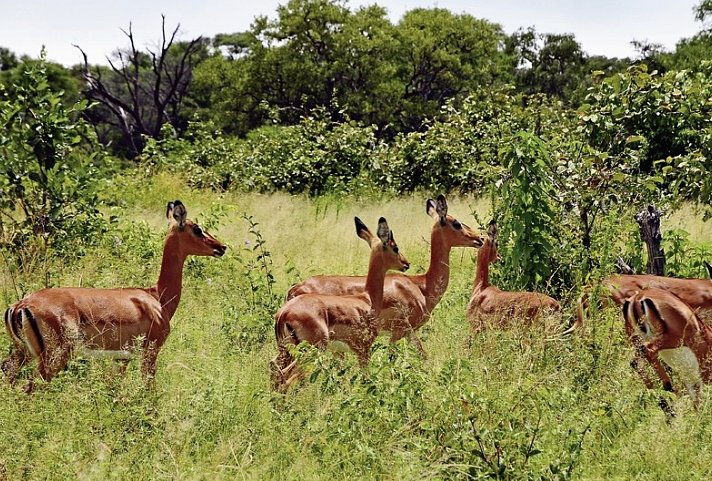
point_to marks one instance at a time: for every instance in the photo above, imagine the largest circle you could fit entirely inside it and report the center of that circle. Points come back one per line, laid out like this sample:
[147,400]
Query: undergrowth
[515,404]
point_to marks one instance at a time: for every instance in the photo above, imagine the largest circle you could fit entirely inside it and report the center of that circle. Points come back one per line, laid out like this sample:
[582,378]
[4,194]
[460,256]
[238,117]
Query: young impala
[319,318]
[662,326]
[408,300]
[51,324]
[490,302]
[697,293]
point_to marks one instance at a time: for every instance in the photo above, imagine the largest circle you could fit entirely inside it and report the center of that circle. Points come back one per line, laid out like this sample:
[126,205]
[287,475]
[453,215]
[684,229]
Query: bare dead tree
[143,90]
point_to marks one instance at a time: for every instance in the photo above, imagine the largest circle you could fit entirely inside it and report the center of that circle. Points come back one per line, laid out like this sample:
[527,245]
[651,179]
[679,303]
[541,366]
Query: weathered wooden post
[649,222]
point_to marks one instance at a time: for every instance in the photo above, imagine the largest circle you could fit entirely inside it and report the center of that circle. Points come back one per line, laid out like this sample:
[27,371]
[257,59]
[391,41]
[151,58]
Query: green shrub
[48,175]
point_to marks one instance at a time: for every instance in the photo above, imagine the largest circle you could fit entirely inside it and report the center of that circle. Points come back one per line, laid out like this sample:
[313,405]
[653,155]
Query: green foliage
[524,206]
[48,183]
[250,321]
[551,64]
[512,404]
[316,156]
[684,258]
[319,54]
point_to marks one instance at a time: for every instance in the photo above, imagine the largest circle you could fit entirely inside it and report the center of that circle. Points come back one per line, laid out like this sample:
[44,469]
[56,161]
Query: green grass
[511,402]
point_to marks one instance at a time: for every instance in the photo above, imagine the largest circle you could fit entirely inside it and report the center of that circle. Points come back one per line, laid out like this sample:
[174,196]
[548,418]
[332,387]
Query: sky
[603,27]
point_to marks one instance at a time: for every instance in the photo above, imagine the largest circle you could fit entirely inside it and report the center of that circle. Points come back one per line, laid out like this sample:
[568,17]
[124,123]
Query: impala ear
[441,208]
[430,208]
[362,231]
[384,232]
[492,229]
[709,269]
[178,212]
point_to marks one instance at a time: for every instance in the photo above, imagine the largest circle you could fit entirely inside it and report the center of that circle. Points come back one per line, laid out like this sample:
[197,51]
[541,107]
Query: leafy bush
[49,172]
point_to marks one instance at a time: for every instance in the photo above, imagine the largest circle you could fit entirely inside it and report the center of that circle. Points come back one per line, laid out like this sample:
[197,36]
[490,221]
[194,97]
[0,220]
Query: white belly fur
[684,362]
[105,354]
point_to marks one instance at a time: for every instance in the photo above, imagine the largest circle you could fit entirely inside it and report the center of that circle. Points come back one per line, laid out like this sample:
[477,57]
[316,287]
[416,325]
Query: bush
[48,183]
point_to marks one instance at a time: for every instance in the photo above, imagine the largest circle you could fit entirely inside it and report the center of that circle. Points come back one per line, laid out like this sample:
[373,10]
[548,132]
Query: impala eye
[395,249]
[197,231]
[456,224]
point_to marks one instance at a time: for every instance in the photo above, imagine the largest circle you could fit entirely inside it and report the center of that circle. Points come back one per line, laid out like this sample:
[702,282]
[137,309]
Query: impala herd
[664,318]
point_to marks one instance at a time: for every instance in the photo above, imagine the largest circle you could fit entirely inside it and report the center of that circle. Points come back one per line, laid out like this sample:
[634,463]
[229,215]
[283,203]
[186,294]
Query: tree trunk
[649,222]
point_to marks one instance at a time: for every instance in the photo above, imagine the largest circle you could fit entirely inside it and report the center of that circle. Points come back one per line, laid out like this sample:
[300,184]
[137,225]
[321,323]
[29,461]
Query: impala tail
[24,330]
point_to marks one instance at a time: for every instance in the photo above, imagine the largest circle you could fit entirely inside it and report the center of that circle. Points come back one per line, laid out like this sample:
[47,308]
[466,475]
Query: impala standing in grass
[491,303]
[663,326]
[52,324]
[697,293]
[320,318]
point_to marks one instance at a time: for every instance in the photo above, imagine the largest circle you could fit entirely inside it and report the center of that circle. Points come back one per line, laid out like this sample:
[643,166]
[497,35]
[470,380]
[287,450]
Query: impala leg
[12,365]
[415,340]
[49,363]
[123,366]
[148,363]
[652,357]
[280,367]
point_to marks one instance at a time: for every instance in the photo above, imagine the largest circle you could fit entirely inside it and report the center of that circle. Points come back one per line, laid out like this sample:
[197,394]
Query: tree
[143,90]
[551,64]
[443,56]
[45,187]
[8,59]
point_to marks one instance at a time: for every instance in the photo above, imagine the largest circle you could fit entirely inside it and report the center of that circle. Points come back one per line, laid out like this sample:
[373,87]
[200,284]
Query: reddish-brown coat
[67,318]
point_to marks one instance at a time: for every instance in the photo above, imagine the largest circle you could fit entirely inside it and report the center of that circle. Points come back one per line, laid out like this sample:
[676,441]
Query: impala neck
[438,275]
[483,263]
[374,283]
[170,280]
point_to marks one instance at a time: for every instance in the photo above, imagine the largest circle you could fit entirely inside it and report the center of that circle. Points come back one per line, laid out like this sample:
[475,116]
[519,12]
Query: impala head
[491,243]
[193,240]
[452,231]
[383,245]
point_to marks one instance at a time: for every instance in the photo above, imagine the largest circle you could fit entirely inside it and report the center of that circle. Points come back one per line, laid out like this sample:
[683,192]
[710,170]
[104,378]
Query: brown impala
[51,324]
[662,326]
[408,300]
[319,318]
[490,302]
[697,293]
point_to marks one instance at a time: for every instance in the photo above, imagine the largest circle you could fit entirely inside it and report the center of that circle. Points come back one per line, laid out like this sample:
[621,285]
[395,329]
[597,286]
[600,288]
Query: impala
[490,302]
[697,293]
[408,300]
[663,326]
[320,318]
[51,324]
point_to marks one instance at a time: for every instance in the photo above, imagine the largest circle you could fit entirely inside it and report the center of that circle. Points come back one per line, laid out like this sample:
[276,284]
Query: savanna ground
[515,404]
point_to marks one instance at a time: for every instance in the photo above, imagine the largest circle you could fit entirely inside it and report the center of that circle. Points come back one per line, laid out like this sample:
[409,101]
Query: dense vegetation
[275,138]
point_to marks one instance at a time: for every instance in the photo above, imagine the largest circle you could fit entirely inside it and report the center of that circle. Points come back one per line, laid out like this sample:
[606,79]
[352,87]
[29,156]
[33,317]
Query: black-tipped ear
[492,229]
[441,207]
[362,231]
[179,213]
[430,208]
[709,269]
[384,232]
